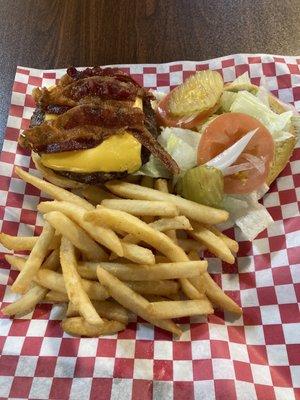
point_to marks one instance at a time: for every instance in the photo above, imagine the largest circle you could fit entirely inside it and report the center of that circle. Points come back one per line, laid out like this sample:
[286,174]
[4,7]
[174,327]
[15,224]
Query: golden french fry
[56,297]
[190,290]
[77,326]
[52,261]
[130,224]
[52,177]
[161,288]
[177,309]
[152,298]
[162,186]
[95,194]
[55,281]
[132,272]
[52,190]
[137,254]
[231,244]
[147,181]
[104,236]
[80,239]
[27,302]
[36,293]
[35,260]
[131,300]
[19,243]
[142,207]
[164,225]
[73,283]
[208,286]
[190,209]
[214,243]
[106,309]
[189,244]
[218,297]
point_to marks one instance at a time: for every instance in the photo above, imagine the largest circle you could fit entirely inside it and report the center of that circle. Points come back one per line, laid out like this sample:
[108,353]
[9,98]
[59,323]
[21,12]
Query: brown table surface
[58,33]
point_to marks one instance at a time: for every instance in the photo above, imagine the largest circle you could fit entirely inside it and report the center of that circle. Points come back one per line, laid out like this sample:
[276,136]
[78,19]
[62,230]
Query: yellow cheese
[49,117]
[118,153]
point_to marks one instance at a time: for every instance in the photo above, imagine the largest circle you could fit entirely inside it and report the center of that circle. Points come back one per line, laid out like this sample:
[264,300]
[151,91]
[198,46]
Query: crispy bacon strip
[85,126]
[98,71]
[91,90]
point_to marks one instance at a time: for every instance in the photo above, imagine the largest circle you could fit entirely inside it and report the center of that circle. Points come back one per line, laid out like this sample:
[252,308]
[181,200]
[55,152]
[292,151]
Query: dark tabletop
[58,33]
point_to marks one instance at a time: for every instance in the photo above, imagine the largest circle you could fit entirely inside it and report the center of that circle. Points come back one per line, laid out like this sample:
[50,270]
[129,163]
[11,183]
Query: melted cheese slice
[118,153]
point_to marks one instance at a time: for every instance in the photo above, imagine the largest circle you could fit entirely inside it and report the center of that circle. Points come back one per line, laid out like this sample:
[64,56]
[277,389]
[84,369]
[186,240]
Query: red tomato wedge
[165,118]
[222,133]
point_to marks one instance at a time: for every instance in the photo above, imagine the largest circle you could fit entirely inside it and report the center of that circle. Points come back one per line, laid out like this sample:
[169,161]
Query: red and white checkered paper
[255,356]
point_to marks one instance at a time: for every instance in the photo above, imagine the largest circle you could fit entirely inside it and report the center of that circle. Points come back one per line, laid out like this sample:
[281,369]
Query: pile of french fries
[126,248]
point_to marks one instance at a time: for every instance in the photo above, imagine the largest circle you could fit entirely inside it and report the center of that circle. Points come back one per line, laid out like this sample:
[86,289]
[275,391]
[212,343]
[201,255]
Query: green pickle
[204,185]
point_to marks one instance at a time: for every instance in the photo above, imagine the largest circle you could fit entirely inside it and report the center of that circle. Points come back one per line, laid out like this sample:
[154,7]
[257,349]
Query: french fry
[95,194]
[106,309]
[137,254]
[73,284]
[133,272]
[142,207]
[162,186]
[34,261]
[77,326]
[55,281]
[164,225]
[214,243]
[56,192]
[104,236]
[52,261]
[56,297]
[161,288]
[27,302]
[20,243]
[131,300]
[190,209]
[130,224]
[208,286]
[77,236]
[218,297]
[148,182]
[231,244]
[189,244]
[190,290]
[178,309]
[52,177]
[35,293]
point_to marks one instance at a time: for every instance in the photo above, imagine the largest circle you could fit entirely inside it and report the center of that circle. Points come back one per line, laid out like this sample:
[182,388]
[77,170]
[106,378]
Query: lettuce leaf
[181,144]
[249,104]
[248,214]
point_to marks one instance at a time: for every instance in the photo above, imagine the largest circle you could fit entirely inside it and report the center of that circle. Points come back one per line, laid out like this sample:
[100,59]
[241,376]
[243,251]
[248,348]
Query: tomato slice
[165,118]
[222,133]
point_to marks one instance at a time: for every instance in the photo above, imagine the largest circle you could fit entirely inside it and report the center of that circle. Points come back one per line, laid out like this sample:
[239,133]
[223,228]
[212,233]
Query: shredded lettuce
[248,214]
[181,144]
[249,104]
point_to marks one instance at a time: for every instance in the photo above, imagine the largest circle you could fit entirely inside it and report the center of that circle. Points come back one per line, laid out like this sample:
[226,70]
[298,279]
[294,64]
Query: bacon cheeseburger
[95,125]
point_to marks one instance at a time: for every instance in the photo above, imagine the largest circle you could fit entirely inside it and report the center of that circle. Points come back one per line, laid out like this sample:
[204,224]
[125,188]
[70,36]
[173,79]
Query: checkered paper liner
[255,356]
